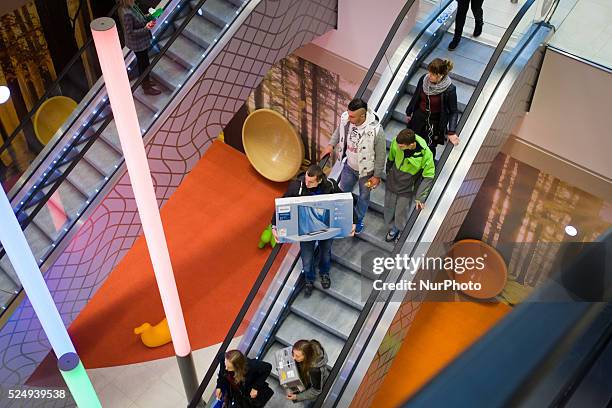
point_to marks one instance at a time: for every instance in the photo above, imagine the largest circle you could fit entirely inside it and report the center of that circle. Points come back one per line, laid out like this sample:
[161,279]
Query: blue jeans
[307,255]
[348,178]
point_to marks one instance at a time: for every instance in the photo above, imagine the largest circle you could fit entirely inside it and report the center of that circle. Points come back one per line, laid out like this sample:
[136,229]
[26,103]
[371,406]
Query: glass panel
[419,14]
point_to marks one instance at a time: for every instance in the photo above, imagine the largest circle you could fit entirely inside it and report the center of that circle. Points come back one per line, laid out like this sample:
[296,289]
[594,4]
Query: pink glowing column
[124,112]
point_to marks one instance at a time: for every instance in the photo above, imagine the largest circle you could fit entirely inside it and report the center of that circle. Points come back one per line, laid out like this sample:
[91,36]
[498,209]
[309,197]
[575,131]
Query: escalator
[349,317]
[84,156]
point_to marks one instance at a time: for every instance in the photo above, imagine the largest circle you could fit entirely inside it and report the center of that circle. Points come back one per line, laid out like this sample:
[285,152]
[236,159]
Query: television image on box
[313,220]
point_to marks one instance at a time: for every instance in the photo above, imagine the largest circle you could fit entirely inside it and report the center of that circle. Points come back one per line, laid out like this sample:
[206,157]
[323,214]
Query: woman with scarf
[432,112]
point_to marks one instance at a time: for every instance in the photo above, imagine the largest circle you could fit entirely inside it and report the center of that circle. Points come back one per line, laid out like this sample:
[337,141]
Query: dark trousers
[308,258]
[462,10]
[142,60]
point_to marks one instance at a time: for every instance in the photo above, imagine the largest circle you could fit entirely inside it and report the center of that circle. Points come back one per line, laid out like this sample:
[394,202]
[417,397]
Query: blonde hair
[439,66]
[239,362]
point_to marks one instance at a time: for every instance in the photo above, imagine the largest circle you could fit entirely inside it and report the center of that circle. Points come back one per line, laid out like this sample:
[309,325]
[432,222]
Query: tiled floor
[594,43]
[152,384]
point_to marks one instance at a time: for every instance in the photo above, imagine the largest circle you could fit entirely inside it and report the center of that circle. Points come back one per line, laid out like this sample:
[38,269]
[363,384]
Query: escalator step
[326,312]
[201,31]
[220,12]
[347,286]
[295,328]
[348,253]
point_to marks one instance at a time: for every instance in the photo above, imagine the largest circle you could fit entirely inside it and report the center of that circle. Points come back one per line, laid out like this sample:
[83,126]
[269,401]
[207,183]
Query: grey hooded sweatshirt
[318,374]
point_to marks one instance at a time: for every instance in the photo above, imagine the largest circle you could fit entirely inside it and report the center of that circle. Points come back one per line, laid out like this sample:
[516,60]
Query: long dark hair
[310,350]
[239,362]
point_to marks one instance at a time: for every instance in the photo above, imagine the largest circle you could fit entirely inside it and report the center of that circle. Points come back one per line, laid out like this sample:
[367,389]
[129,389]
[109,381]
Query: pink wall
[570,114]
[362,27]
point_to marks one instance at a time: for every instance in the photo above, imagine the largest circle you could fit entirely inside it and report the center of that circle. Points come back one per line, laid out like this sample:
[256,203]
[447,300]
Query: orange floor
[212,224]
[439,333]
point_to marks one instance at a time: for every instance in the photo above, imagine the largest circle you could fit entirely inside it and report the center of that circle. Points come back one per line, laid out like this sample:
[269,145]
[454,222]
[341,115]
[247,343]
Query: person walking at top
[242,381]
[137,33]
[462,9]
[313,182]
[432,112]
[410,176]
[360,138]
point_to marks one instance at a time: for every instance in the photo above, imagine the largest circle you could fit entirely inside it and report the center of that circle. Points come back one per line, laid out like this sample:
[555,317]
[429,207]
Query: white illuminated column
[23,261]
[124,112]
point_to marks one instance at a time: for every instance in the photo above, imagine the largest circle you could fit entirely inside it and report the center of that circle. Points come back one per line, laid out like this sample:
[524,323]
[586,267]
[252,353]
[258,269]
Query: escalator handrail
[212,369]
[48,92]
[372,299]
[74,161]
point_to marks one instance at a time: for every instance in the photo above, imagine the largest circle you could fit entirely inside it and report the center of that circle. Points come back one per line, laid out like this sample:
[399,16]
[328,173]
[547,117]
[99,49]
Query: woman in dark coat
[432,112]
[137,35]
[242,381]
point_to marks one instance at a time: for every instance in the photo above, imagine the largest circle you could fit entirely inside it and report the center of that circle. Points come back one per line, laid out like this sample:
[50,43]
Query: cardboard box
[314,217]
[287,370]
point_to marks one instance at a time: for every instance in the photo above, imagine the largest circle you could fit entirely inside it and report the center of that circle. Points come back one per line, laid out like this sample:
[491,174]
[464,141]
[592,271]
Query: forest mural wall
[522,212]
[309,96]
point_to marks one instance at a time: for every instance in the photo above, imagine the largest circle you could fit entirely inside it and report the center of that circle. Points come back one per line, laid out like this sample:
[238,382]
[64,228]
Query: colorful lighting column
[24,263]
[124,112]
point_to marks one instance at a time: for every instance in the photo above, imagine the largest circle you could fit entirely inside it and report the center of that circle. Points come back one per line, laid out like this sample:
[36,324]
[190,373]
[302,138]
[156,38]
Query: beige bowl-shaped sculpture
[272,145]
[51,115]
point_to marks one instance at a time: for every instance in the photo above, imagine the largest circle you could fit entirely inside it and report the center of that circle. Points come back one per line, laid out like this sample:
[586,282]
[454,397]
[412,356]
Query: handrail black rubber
[48,93]
[372,299]
[57,182]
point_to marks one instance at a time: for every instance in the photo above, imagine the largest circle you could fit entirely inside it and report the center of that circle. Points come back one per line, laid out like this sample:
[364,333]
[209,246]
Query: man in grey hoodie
[360,139]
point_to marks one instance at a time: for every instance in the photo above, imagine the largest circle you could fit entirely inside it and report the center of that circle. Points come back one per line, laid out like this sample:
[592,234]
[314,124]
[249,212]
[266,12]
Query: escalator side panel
[509,103]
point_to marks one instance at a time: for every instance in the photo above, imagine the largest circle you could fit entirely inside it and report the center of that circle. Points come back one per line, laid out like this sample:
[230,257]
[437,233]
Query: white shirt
[352,145]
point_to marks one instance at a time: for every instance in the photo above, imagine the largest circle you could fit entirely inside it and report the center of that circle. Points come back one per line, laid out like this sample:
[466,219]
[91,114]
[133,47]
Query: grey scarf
[436,89]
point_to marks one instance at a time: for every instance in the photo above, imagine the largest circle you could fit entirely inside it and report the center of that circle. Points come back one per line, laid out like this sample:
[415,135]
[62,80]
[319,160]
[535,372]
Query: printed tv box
[314,217]
[287,370]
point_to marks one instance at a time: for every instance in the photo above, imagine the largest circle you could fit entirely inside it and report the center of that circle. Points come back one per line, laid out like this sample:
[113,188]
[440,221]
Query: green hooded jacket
[406,168]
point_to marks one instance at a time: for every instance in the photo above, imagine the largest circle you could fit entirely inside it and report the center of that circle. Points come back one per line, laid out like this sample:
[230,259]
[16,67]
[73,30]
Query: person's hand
[274,233]
[353,230]
[374,182]
[419,205]
[408,118]
[454,139]
[151,24]
[327,150]
[291,397]
[218,394]
[253,393]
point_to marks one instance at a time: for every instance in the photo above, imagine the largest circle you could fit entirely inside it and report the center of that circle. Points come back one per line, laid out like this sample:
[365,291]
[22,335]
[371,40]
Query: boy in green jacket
[409,160]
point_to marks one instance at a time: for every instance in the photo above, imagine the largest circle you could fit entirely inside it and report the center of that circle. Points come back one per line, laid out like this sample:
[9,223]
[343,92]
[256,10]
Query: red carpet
[212,224]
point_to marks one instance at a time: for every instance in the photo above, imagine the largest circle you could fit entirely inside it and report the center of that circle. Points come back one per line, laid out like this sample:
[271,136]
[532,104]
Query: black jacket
[256,376]
[297,188]
[450,113]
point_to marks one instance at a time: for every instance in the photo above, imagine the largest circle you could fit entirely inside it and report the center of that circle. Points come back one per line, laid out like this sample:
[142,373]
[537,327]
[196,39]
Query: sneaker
[478,29]
[359,227]
[392,235]
[453,44]
[325,281]
[308,289]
